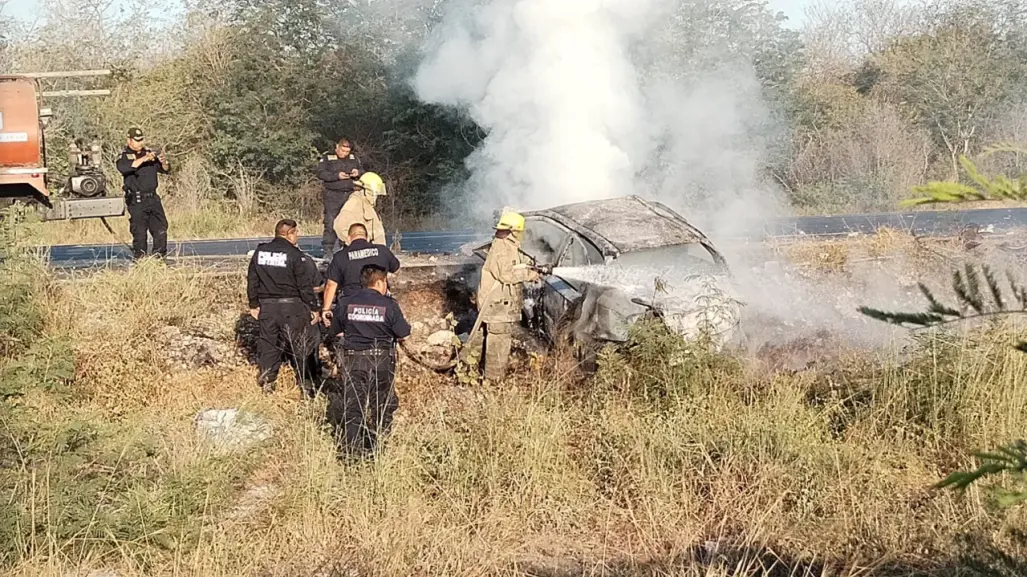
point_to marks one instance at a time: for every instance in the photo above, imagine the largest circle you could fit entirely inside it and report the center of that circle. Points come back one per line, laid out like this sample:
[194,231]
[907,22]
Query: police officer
[280,288]
[370,324]
[346,266]
[337,172]
[140,166]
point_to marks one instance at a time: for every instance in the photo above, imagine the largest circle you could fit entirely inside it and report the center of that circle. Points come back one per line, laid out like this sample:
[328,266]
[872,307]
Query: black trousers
[285,329]
[361,412]
[333,201]
[144,216]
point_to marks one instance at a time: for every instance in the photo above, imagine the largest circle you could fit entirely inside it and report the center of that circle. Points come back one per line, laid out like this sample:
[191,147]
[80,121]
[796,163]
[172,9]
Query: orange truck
[24,176]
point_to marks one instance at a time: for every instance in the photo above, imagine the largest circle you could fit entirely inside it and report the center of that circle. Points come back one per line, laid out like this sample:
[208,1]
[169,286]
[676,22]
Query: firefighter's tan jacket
[500,290]
[359,210]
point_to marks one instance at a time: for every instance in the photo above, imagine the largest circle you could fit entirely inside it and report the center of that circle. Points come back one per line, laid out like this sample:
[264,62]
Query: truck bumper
[77,208]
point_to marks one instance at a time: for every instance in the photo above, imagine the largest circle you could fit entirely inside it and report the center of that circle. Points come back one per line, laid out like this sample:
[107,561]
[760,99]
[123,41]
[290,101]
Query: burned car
[617,261]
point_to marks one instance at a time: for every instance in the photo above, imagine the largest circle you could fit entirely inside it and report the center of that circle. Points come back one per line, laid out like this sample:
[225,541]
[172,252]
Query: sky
[28,10]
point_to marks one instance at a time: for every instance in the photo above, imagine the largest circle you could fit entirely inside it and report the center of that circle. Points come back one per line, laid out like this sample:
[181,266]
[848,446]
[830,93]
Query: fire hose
[107,225]
[454,359]
[541,269]
[419,359]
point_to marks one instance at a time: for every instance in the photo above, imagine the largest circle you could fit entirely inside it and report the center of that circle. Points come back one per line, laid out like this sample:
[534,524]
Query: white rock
[441,338]
[252,500]
[232,428]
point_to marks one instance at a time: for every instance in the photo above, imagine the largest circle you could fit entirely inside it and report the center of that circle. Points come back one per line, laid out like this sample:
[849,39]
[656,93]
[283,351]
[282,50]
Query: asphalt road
[925,223]
[940,223]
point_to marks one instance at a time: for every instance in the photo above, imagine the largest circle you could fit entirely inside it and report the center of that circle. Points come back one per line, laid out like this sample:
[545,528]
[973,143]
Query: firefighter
[370,325]
[360,209]
[338,172]
[500,294]
[344,270]
[140,166]
[280,288]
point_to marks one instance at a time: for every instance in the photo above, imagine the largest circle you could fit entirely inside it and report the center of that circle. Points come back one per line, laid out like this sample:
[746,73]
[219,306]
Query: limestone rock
[441,338]
[232,429]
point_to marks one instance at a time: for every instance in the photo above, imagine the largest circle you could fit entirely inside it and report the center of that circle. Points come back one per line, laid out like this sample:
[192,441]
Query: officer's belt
[140,195]
[286,300]
[369,352]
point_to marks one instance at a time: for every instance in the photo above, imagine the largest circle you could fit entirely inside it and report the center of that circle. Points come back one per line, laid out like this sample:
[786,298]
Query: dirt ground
[433,306]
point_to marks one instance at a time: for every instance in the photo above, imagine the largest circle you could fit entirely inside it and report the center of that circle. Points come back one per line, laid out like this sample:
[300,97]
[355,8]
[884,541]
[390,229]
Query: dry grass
[893,206]
[550,475]
[213,221]
[822,256]
[197,209]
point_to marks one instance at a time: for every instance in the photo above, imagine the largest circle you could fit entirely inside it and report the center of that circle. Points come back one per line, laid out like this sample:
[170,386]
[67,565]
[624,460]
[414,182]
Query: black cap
[135,134]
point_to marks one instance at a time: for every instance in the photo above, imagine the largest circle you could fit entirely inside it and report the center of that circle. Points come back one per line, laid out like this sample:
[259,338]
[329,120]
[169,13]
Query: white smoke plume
[554,85]
[592,99]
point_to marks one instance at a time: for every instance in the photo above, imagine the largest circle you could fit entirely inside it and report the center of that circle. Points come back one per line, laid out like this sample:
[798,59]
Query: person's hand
[354,173]
[163,159]
[343,176]
[314,317]
[255,313]
[326,318]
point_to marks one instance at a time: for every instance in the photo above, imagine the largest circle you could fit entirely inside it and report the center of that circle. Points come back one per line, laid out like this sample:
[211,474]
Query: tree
[839,35]
[980,187]
[5,38]
[278,71]
[717,76]
[951,80]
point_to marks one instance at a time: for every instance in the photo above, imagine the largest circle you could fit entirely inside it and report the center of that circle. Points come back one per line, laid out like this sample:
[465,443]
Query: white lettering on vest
[365,314]
[362,254]
[275,259]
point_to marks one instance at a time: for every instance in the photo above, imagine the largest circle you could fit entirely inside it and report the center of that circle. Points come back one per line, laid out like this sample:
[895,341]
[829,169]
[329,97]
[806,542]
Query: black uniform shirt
[280,270]
[369,320]
[347,263]
[143,178]
[330,166]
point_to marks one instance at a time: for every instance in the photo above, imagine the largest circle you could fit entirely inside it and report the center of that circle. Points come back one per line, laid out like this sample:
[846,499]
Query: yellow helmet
[372,183]
[511,221]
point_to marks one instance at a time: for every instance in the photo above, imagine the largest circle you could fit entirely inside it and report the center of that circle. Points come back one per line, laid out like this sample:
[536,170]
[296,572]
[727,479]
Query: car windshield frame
[528,243]
[711,258]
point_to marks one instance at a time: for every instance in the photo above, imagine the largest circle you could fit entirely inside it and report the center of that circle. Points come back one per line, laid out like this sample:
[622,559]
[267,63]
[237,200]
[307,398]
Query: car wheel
[561,334]
[587,353]
[581,345]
